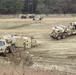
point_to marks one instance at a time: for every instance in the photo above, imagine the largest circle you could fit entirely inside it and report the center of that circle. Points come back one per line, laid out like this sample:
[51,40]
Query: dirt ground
[49,54]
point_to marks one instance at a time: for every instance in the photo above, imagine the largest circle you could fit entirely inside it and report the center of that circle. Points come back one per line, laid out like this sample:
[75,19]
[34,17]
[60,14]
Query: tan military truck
[20,41]
[62,31]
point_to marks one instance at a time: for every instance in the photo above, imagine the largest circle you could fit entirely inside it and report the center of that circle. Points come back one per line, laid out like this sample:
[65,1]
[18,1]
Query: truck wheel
[10,50]
[63,36]
[66,34]
[33,19]
[59,37]
[40,19]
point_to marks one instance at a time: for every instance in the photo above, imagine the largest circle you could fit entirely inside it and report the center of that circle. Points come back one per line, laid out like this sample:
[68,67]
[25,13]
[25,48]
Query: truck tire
[10,50]
[40,18]
[63,36]
[66,34]
[33,18]
[59,37]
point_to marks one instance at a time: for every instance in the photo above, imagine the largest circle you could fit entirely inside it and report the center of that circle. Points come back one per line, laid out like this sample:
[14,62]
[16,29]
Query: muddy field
[49,54]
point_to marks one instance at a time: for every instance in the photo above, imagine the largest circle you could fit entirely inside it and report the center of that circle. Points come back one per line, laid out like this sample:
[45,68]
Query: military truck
[37,18]
[62,31]
[8,43]
[25,16]
[20,41]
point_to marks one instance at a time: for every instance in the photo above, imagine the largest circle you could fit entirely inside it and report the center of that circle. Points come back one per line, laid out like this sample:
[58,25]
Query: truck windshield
[1,43]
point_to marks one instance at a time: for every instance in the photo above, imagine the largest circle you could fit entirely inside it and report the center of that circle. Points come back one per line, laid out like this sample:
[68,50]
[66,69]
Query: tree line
[37,6]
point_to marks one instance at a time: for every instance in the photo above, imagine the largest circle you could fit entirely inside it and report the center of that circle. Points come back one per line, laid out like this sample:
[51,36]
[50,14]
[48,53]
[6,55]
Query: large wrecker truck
[61,32]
